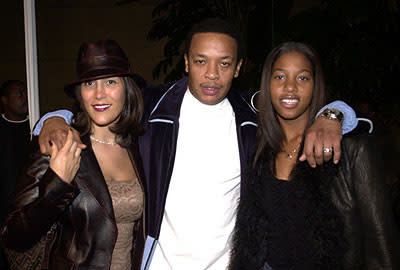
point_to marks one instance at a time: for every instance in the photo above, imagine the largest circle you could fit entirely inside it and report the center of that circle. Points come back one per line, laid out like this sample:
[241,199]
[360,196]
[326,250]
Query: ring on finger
[327,150]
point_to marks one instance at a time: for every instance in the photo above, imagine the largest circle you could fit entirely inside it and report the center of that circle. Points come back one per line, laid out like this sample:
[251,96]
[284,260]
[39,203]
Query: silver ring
[327,150]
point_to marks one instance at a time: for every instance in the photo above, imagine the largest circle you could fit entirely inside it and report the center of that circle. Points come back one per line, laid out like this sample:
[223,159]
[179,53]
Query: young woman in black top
[292,216]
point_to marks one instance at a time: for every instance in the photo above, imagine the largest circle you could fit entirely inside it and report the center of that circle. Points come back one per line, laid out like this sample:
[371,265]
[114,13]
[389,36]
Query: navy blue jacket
[158,147]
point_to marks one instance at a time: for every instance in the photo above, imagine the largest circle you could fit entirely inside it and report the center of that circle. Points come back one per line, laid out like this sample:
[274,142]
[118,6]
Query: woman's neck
[103,133]
[293,129]
[286,160]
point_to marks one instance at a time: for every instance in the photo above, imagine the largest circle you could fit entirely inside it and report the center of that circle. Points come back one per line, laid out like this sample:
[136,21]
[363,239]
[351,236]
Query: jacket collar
[243,110]
[169,105]
[90,177]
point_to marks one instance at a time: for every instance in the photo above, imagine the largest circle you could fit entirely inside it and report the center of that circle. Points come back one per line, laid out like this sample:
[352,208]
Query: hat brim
[95,75]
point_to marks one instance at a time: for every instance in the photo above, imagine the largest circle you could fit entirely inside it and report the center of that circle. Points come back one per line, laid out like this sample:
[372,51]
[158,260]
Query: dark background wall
[356,40]
[62,25]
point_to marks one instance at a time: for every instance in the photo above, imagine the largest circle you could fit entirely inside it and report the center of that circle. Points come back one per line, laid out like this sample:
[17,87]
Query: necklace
[103,142]
[291,153]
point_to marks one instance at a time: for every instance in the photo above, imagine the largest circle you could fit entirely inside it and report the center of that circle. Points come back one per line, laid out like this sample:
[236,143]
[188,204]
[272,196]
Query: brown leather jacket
[87,231]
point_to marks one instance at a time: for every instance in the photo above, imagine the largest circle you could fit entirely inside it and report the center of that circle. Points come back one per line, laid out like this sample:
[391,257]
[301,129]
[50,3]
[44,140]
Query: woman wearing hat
[95,197]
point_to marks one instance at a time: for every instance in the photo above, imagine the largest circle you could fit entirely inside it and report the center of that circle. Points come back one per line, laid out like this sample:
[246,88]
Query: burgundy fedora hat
[97,60]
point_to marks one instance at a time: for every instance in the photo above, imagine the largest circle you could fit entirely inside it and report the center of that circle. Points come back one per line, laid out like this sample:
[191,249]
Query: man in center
[203,179]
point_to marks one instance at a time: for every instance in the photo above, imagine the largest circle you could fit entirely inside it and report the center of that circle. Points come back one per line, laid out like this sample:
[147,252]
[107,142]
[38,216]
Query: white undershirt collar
[14,121]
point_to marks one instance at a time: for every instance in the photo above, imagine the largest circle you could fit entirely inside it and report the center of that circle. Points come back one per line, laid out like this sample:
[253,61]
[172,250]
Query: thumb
[82,146]
[302,157]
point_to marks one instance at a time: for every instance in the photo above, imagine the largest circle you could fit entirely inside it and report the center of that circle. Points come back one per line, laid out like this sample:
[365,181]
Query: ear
[186,57]
[237,69]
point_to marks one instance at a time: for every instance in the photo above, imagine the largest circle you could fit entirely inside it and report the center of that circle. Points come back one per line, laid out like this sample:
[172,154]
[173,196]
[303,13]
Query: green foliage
[356,40]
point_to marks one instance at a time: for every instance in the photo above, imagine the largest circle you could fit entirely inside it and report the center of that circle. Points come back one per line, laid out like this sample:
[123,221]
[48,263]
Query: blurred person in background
[14,138]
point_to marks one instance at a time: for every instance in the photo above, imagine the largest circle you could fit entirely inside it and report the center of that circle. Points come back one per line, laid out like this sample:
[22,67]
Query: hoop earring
[252,101]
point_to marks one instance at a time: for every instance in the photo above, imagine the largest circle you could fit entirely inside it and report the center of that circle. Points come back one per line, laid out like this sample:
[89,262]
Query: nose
[100,91]
[212,72]
[290,85]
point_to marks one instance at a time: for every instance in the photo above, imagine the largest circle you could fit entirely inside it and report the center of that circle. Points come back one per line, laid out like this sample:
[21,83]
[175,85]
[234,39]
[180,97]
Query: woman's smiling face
[292,85]
[103,100]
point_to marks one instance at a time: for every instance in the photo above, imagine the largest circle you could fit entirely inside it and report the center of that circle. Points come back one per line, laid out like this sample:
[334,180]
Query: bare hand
[65,163]
[55,129]
[323,133]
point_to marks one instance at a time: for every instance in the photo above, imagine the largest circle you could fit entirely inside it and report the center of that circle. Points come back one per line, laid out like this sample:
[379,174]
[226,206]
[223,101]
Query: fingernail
[51,144]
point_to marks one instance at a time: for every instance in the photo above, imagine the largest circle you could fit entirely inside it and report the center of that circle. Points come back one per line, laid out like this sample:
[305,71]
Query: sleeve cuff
[350,120]
[67,115]
[56,191]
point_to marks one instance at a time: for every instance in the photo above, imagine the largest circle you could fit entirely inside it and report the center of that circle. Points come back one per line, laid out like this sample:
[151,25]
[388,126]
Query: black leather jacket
[87,231]
[358,193]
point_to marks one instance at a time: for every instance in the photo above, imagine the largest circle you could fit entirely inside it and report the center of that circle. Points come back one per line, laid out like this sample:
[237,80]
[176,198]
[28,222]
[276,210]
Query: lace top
[128,199]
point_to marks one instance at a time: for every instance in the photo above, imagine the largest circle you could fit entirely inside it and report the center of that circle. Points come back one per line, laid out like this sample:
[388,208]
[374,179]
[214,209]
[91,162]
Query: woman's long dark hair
[269,133]
[128,125]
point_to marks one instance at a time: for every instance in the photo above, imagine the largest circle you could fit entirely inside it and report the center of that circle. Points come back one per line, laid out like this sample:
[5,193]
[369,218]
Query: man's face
[212,64]
[17,101]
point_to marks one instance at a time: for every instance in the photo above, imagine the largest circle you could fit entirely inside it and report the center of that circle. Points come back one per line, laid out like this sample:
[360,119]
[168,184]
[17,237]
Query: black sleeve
[381,237]
[40,199]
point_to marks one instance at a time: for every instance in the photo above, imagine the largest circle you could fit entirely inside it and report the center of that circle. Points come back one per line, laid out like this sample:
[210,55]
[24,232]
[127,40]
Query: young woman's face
[292,86]
[103,100]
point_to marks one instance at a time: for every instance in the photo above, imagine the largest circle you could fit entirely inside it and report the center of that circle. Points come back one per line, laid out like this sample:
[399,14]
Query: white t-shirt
[203,193]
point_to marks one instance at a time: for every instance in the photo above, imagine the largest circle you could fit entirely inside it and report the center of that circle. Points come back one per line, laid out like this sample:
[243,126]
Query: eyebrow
[205,56]
[303,70]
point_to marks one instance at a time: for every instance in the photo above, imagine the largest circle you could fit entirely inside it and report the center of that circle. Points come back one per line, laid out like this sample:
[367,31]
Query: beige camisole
[128,200]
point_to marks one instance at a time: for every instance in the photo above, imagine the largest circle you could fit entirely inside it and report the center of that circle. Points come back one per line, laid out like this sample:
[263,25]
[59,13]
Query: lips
[289,102]
[210,90]
[101,107]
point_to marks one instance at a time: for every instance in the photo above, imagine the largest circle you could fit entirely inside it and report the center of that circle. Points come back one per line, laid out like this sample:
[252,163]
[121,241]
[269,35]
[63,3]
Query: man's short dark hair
[7,86]
[215,25]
